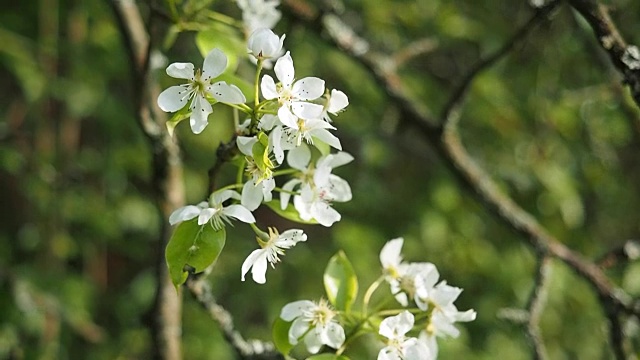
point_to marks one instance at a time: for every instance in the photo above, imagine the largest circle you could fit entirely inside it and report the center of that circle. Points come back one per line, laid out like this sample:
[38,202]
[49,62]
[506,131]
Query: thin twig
[535,306]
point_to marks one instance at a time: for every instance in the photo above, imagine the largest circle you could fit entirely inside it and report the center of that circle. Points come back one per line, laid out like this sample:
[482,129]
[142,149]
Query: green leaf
[194,245]
[290,213]
[340,282]
[225,38]
[327,356]
[280,334]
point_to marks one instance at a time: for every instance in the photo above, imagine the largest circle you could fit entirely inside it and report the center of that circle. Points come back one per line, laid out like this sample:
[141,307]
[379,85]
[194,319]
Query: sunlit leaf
[340,282]
[197,246]
[280,333]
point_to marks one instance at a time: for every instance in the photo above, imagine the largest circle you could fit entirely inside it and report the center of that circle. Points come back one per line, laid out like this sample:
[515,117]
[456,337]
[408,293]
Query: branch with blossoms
[443,134]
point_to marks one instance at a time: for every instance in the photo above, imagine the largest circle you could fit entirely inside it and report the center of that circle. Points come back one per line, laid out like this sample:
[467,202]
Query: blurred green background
[78,227]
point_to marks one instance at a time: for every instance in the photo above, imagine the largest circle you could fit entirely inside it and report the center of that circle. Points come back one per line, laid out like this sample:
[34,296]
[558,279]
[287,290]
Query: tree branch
[167,175]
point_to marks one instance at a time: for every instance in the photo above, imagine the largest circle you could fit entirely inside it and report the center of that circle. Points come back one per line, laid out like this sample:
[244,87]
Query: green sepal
[197,246]
[340,282]
[289,213]
[176,118]
[280,333]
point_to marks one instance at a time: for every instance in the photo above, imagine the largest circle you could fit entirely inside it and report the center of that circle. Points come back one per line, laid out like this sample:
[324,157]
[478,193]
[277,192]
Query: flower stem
[285,172]
[256,101]
[369,293]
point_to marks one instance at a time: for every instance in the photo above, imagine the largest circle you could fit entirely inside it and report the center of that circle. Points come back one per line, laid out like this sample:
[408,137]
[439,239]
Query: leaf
[290,213]
[280,334]
[340,282]
[194,245]
[327,356]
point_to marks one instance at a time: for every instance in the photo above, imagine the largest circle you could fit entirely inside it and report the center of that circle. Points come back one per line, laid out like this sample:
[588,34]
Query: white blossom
[258,260]
[314,322]
[399,346]
[337,101]
[265,44]
[213,211]
[197,88]
[292,96]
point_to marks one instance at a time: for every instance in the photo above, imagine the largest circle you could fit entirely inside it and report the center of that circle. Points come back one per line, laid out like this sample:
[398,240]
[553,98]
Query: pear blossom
[408,281]
[400,347]
[259,14]
[268,253]
[311,129]
[259,188]
[265,44]
[292,96]
[337,101]
[314,322]
[213,211]
[197,88]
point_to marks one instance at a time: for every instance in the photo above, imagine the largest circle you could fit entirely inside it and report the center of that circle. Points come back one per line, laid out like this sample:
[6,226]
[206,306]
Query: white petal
[183,214]
[313,341]
[268,88]
[339,159]
[306,110]
[225,93]
[445,294]
[284,70]
[390,253]
[324,213]
[297,329]
[205,215]
[221,196]
[334,335]
[214,64]
[200,110]
[299,157]
[337,102]
[295,309]
[290,238]
[239,212]
[415,350]
[327,137]
[181,70]
[338,189]
[251,195]
[285,195]
[267,122]
[267,187]
[250,260]
[245,144]
[275,142]
[173,98]
[287,118]
[466,316]
[309,88]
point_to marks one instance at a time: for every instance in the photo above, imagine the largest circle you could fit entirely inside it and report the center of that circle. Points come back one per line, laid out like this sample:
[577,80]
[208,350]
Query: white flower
[259,14]
[336,102]
[317,321]
[408,281]
[262,183]
[293,95]
[265,44]
[257,261]
[196,89]
[213,211]
[445,313]
[400,347]
[310,129]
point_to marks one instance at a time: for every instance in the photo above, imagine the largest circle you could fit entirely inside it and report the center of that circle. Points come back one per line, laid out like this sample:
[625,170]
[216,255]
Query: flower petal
[200,110]
[173,98]
[181,71]
[299,157]
[324,214]
[268,88]
[251,260]
[287,118]
[214,64]
[295,309]
[306,110]
[183,214]
[205,215]
[309,88]
[245,144]
[284,70]
[251,195]
[390,253]
[313,340]
[334,335]
[225,93]
[239,212]
[286,195]
[327,137]
[337,102]
[299,327]
[338,189]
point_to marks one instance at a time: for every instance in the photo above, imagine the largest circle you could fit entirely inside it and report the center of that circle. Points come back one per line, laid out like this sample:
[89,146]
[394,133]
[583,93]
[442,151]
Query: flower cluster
[418,282]
[291,125]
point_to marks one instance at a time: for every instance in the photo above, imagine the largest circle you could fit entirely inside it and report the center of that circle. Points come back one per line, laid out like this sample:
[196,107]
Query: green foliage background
[78,228]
